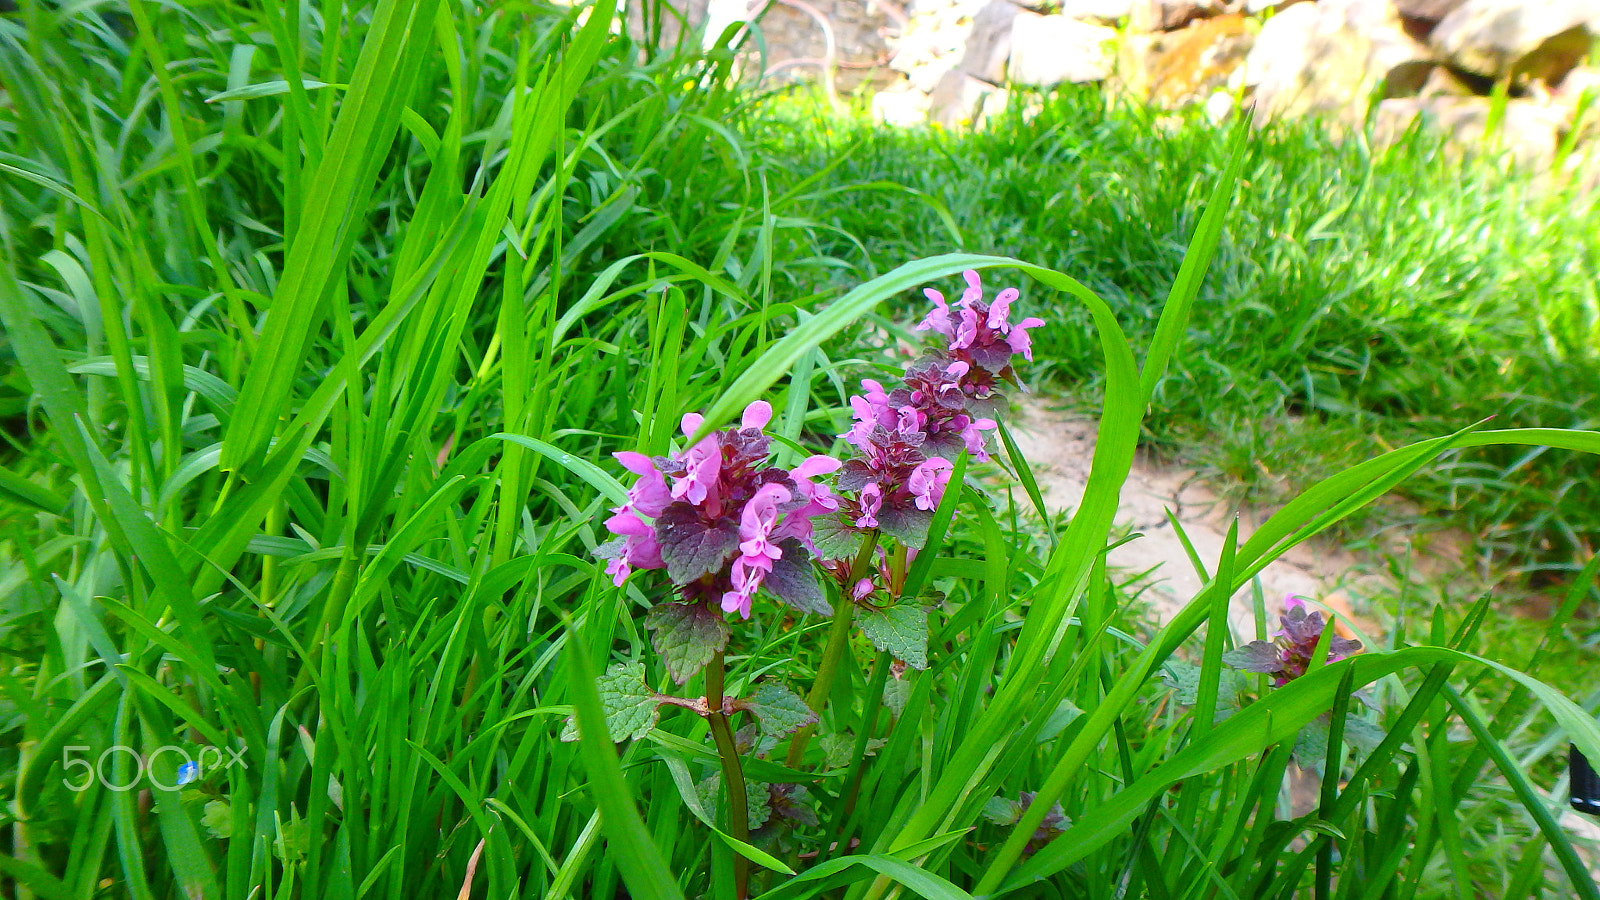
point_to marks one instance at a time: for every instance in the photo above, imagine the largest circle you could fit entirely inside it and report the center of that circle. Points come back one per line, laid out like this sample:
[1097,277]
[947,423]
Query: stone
[1449,82]
[1261,7]
[989,43]
[1193,63]
[1330,57]
[1100,10]
[1528,132]
[1426,10]
[1051,50]
[1170,15]
[1136,54]
[961,100]
[1519,39]
[803,40]
[1579,96]
[902,108]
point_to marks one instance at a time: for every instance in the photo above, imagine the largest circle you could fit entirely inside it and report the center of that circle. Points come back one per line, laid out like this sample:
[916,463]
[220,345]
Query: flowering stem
[732,773]
[833,653]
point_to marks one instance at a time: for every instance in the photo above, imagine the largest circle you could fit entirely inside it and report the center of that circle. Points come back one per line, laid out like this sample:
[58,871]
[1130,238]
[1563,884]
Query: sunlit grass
[320,325]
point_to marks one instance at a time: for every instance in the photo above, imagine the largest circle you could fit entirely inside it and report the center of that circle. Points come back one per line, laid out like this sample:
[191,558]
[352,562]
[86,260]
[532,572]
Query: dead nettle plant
[726,525]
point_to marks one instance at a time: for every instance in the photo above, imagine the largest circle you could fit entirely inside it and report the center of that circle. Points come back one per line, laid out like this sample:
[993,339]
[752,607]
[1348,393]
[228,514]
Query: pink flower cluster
[943,405]
[1292,648]
[718,518]
[980,333]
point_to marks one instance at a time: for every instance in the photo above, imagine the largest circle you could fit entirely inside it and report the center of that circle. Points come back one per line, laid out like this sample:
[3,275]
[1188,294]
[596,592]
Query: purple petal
[1000,310]
[757,415]
[974,291]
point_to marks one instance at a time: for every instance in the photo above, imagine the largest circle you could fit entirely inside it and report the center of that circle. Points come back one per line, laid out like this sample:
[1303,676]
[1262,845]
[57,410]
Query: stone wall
[1396,61]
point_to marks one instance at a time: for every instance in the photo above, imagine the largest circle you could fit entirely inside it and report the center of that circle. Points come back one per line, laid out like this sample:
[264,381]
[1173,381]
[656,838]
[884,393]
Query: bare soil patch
[1060,448]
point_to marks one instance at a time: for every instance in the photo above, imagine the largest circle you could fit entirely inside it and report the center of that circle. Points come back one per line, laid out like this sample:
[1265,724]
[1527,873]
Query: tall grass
[324,319]
[1360,296]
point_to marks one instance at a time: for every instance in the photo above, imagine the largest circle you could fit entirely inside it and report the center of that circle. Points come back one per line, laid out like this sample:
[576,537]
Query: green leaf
[267,89]
[839,748]
[896,693]
[1311,745]
[708,789]
[1002,811]
[631,708]
[907,524]
[835,537]
[916,879]
[1363,734]
[779,710]
[218,818]
[22,490]
[1185,679]
[901,630]
[686,636]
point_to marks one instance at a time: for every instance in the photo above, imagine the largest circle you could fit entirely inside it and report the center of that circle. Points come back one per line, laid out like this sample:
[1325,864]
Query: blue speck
[188,772]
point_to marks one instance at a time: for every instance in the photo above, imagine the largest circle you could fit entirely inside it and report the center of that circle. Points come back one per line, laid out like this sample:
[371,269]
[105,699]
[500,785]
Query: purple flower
[985,336]
[719,518]
[1288,656]
[927,483]
[870,504]
[939,319]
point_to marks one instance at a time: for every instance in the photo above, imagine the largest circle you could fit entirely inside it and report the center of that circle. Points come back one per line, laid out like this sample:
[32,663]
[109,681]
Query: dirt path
[1060,447]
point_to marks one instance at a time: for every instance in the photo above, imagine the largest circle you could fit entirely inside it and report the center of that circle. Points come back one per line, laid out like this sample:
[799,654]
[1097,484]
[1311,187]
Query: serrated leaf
[1184,678]
[686,636]
[839,748]
[631,707]
[755,796]
[834,537]
[900,630]
[1363,734]
[779,710]
[218,819]
[1256,656]
[896,691]
[793,580]
[836,747]
[907,524]
[690,546]
[1002,811]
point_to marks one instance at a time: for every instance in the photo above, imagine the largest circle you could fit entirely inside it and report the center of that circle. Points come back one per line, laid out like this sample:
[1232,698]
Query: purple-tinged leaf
[794,580]
[691,546]
[905,523]
[1256,656]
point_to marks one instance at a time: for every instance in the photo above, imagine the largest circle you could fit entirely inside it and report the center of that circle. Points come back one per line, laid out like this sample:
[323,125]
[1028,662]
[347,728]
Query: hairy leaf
[686,636]
[779,710]
[631,707]
[907,524]
[835,537]
[691,546]
[794,580]
[901,630]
